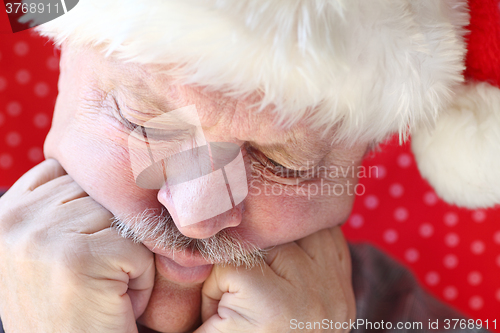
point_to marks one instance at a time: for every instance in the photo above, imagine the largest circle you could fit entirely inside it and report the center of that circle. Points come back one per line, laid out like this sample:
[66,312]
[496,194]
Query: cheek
[101,167]
[274,217]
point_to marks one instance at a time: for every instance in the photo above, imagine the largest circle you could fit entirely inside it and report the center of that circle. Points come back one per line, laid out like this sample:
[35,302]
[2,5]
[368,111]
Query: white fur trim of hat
[368,67]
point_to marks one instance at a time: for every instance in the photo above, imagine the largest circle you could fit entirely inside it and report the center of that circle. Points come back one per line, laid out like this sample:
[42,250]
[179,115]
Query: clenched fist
[63,268]
[306,281]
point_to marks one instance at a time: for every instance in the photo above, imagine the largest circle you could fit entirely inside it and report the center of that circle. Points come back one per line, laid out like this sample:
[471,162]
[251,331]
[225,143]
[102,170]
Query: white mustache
[156,225]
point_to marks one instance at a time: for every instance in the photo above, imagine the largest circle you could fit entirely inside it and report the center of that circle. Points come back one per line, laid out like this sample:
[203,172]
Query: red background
[454,253]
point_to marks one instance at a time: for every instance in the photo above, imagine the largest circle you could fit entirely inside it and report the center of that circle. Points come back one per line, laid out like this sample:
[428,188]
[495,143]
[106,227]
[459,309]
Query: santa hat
[367,68]
[460,156]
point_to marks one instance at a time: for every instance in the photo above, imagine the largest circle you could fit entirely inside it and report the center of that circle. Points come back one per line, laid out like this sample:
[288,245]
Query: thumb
[227,296]
[214,288]
[140,289]
[212,293]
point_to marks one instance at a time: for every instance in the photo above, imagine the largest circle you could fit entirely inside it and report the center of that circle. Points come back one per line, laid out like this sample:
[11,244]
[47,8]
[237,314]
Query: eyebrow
[146,104]
[139,96]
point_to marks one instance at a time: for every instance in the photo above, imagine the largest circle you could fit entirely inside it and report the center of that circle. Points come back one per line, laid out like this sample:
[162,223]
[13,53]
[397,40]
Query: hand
[308,280]
[63,268]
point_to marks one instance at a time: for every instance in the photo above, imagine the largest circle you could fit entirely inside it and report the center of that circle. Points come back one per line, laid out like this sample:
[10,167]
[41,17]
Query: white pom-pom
[460,157]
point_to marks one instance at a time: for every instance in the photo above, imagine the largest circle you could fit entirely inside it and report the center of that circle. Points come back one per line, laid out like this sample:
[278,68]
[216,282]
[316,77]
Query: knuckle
[51,162]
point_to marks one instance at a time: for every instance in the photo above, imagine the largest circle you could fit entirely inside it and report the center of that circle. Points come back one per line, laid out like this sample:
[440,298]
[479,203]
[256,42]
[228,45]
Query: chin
[173,307]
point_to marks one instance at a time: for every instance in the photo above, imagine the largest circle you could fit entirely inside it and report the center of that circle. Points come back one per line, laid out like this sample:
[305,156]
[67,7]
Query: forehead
[149,90]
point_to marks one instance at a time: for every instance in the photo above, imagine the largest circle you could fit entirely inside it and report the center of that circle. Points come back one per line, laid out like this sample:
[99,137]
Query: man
[300,93]
[104,141]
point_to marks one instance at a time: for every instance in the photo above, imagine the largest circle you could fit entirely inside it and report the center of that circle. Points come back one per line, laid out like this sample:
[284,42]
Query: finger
[343,258]
[61,189]
[225,323]
[211,325]
[228,287]
[39,175]
[140,289]
[280,258]
[139,300]
[328,246]
[86,216]
[209,305]
[131,262]
[316,245]
[343,252]
[130,323]
[66,188]
[212,292]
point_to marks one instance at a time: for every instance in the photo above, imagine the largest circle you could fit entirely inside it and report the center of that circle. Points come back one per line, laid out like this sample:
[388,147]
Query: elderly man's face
[89,137]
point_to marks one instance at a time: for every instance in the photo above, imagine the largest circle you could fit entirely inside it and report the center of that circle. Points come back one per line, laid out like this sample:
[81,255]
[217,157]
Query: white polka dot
[412,255]
[53,63]
[390,236]
[498,295]
[356,221]
[13,139]
[371,201]
[474,278]
[479,215]
[450,261]
[476,303]
[477,247]
[401,214]
[41,89]
[35,154]
[23,76]
[404,160]
[3,83]
[21,48]
[426,230]
[450,293]
[14,108]
[450,219]
[396,190]
[432,278]
[6,161]
[2,119]
[41,120]
[430,198]
[496,237]
[378,171]
[451,239]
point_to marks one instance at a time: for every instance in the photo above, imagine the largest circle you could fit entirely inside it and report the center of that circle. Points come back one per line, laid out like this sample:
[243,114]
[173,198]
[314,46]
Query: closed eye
[268,165]
[155,134]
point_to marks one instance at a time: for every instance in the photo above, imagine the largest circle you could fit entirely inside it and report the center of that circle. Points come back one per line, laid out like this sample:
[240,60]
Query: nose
[187,210]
